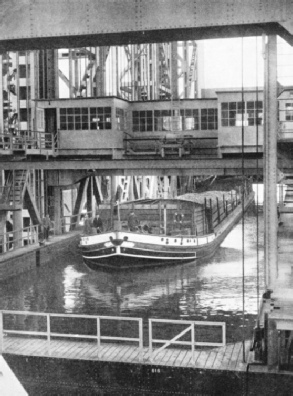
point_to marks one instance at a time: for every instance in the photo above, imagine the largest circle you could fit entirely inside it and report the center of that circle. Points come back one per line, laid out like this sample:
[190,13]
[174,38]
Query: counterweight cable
[242,202]
[257,186]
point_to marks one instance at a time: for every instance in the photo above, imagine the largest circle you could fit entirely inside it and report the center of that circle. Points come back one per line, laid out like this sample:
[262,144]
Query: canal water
[211,290]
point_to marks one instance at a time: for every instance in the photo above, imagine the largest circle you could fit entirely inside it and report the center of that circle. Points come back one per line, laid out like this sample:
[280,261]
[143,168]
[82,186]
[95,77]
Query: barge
[161,231]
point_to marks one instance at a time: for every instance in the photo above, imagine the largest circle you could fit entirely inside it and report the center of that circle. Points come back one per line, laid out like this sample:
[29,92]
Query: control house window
[289,111]
[162,120]
[190,118]
[168,120]
[22,93]
[23,114]
[22,71]
[121,119]
[142,121]
[254,112]
[74,119]
[100,117]
[209,119]
[82,118]
[232,113]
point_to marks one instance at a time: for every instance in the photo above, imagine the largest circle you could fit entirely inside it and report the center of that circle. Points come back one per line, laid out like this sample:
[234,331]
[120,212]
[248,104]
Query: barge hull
[122,254]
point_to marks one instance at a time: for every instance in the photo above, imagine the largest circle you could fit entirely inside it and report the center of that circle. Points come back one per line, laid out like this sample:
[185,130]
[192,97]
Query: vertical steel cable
[243,207]
[257,185]
[8,99]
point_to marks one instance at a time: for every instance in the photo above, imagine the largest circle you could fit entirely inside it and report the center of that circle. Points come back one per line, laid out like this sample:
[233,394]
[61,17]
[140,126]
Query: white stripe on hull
[120,254]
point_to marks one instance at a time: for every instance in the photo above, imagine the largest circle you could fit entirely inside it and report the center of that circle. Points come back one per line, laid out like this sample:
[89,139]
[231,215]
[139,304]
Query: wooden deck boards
[222,358]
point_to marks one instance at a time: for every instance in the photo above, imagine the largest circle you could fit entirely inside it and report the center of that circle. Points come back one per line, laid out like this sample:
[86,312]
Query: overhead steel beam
[67,23]
[140,167]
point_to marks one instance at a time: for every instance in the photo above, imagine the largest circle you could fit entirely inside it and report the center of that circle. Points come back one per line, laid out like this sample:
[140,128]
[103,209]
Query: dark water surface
[206,291]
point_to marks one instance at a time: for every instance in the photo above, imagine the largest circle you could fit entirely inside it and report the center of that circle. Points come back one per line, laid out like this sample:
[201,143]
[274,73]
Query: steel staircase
[12,193]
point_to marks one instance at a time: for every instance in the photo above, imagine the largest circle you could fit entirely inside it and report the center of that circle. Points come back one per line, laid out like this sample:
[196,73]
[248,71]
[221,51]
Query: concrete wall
[22,260]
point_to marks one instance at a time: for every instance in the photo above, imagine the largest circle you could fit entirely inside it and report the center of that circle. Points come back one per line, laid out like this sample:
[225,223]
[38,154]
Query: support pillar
[143,187]
[113,196]
[42,192]
[281,195]
[101,72]
[17,229]
[3,237]
[130,191]
[156,69]
[273,344]
[1,96]
[173,186]
[166,187]
[89,197]
[174,77]
[270,171]
[57,211]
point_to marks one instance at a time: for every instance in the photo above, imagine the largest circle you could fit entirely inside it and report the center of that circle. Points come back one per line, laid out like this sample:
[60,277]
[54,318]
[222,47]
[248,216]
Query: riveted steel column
[1,96]
[17,228]
[270,171]
[3,235]
[143,187]
[113,196]
[57,210]
[174,77]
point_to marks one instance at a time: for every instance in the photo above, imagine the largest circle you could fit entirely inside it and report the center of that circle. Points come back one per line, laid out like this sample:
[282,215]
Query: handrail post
[192,343]
[99,335]
[150,340]
[140,340]
[224,333]
[49,334]
[1,332]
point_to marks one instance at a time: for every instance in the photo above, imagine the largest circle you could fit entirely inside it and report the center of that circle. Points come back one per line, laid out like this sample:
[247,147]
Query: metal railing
[48,333]
[12,240]
[98,337]
[175,340]
[158,144]
[34,234]
[27,140]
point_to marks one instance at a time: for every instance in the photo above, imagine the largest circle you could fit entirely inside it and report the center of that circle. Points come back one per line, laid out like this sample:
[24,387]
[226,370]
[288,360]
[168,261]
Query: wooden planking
[222,358]
[228,354]
[237,351]
[187,360]
[211,359]
[180,358]
[219,358]
[173,357]
[202,358]
[127,353]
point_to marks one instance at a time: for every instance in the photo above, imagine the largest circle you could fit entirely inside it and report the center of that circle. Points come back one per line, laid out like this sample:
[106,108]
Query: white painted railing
[48,333]
[175,341]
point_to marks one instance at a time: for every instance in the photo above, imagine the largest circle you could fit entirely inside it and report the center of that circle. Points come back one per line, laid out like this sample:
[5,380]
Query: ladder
[11,197]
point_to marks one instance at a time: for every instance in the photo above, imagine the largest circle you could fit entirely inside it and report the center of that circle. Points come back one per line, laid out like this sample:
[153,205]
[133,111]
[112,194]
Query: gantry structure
[94,90]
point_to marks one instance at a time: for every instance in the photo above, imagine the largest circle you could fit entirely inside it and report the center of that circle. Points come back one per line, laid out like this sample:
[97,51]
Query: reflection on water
[207,291]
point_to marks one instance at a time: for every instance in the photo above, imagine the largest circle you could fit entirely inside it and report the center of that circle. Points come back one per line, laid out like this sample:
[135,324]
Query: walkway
[228,357]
